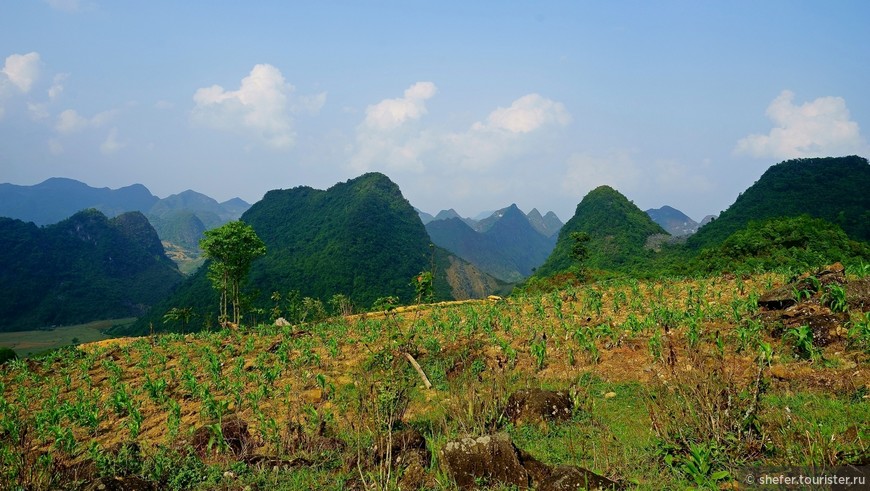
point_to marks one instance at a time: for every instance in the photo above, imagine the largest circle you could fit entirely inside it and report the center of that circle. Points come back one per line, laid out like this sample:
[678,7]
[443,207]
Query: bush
[7,354]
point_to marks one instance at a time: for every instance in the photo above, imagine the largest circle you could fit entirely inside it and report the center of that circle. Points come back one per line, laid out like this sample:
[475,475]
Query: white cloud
[38,111]
[526,114]
[391,113]
[814,129]
[57,86]
[263,106]
[70,121]
[22,70]
[387,137]
[111,143]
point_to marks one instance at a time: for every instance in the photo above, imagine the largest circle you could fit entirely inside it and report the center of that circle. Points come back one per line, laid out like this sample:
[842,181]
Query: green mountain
[509,249]
[84,268]
[618,230]
[360,238]
[834,189]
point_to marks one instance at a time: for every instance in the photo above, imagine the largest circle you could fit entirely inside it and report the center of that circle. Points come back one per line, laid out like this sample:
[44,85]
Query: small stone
[610,395]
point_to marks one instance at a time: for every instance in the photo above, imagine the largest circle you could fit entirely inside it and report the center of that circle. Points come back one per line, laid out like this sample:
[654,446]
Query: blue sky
[470,105]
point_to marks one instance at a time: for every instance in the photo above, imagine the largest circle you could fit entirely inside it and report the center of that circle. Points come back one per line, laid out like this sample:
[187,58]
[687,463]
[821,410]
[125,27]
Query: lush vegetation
[834,189]
[84,268]
[799,243]
[673,383]
[618,232]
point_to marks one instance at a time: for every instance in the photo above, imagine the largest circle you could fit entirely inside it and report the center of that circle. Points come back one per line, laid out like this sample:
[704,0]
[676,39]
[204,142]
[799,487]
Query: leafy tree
[579,247]
[232,248]
[176,314]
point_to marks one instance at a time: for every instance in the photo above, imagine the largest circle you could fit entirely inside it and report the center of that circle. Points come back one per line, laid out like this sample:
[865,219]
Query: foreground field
[27,343]
[671,384]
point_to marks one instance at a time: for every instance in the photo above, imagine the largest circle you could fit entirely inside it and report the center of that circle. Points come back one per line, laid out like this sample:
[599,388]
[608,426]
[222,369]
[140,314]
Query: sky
[465,105]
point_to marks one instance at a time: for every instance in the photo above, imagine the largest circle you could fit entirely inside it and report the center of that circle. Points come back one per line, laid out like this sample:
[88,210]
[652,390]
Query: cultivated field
[672,384]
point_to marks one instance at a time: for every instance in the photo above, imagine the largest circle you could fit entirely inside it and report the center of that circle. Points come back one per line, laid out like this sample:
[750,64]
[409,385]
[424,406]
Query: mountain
[360,238]
[181,219]
[424,217]
[84,268]
[509,249]
[208,210]
[447,214]
[58,198]
[618,230]
[833,188]
[673,221]
[547,225]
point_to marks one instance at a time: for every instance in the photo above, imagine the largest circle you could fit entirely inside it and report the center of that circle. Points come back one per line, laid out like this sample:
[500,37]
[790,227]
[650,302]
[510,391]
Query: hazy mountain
[208,210]
[618,230]
[424,217]
[547,225]
[84,268]
[673,221]
[834,189]
[58,198]
[509,249]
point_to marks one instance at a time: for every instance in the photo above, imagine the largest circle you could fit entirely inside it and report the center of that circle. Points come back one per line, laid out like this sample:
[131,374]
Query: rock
[404,443]
[570,478]
[783,297]
[858,294]
[535,405]
[824,324]
[610,395]
[493,460]
[489,459]
[281,322]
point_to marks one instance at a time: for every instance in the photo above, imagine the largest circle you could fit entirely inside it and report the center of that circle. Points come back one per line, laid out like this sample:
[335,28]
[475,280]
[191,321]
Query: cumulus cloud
[526,114]
[819,128]
[391,113]
[70,121]
[387,136]
[263,106]
[57,86]
[22,70]
[111,144]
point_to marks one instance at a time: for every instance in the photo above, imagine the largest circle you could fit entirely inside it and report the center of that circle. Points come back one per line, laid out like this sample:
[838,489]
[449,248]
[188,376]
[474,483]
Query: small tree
[579,248]
[232,248]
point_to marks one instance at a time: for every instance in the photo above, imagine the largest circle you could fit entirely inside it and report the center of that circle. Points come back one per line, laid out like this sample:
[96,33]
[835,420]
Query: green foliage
[84,268]
[834,189]
[617,231]
[232,249]
[423,287]
[799,243]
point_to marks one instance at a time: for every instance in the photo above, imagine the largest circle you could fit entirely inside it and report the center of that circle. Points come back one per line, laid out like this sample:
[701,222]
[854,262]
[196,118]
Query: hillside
[509,249]
[833,188]
[673,221]
[618,230]
[83,268]
[359,238]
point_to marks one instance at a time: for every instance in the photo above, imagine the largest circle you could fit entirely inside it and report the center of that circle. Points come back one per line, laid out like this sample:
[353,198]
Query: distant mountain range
[179,219]
[505,245]
[83,268]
